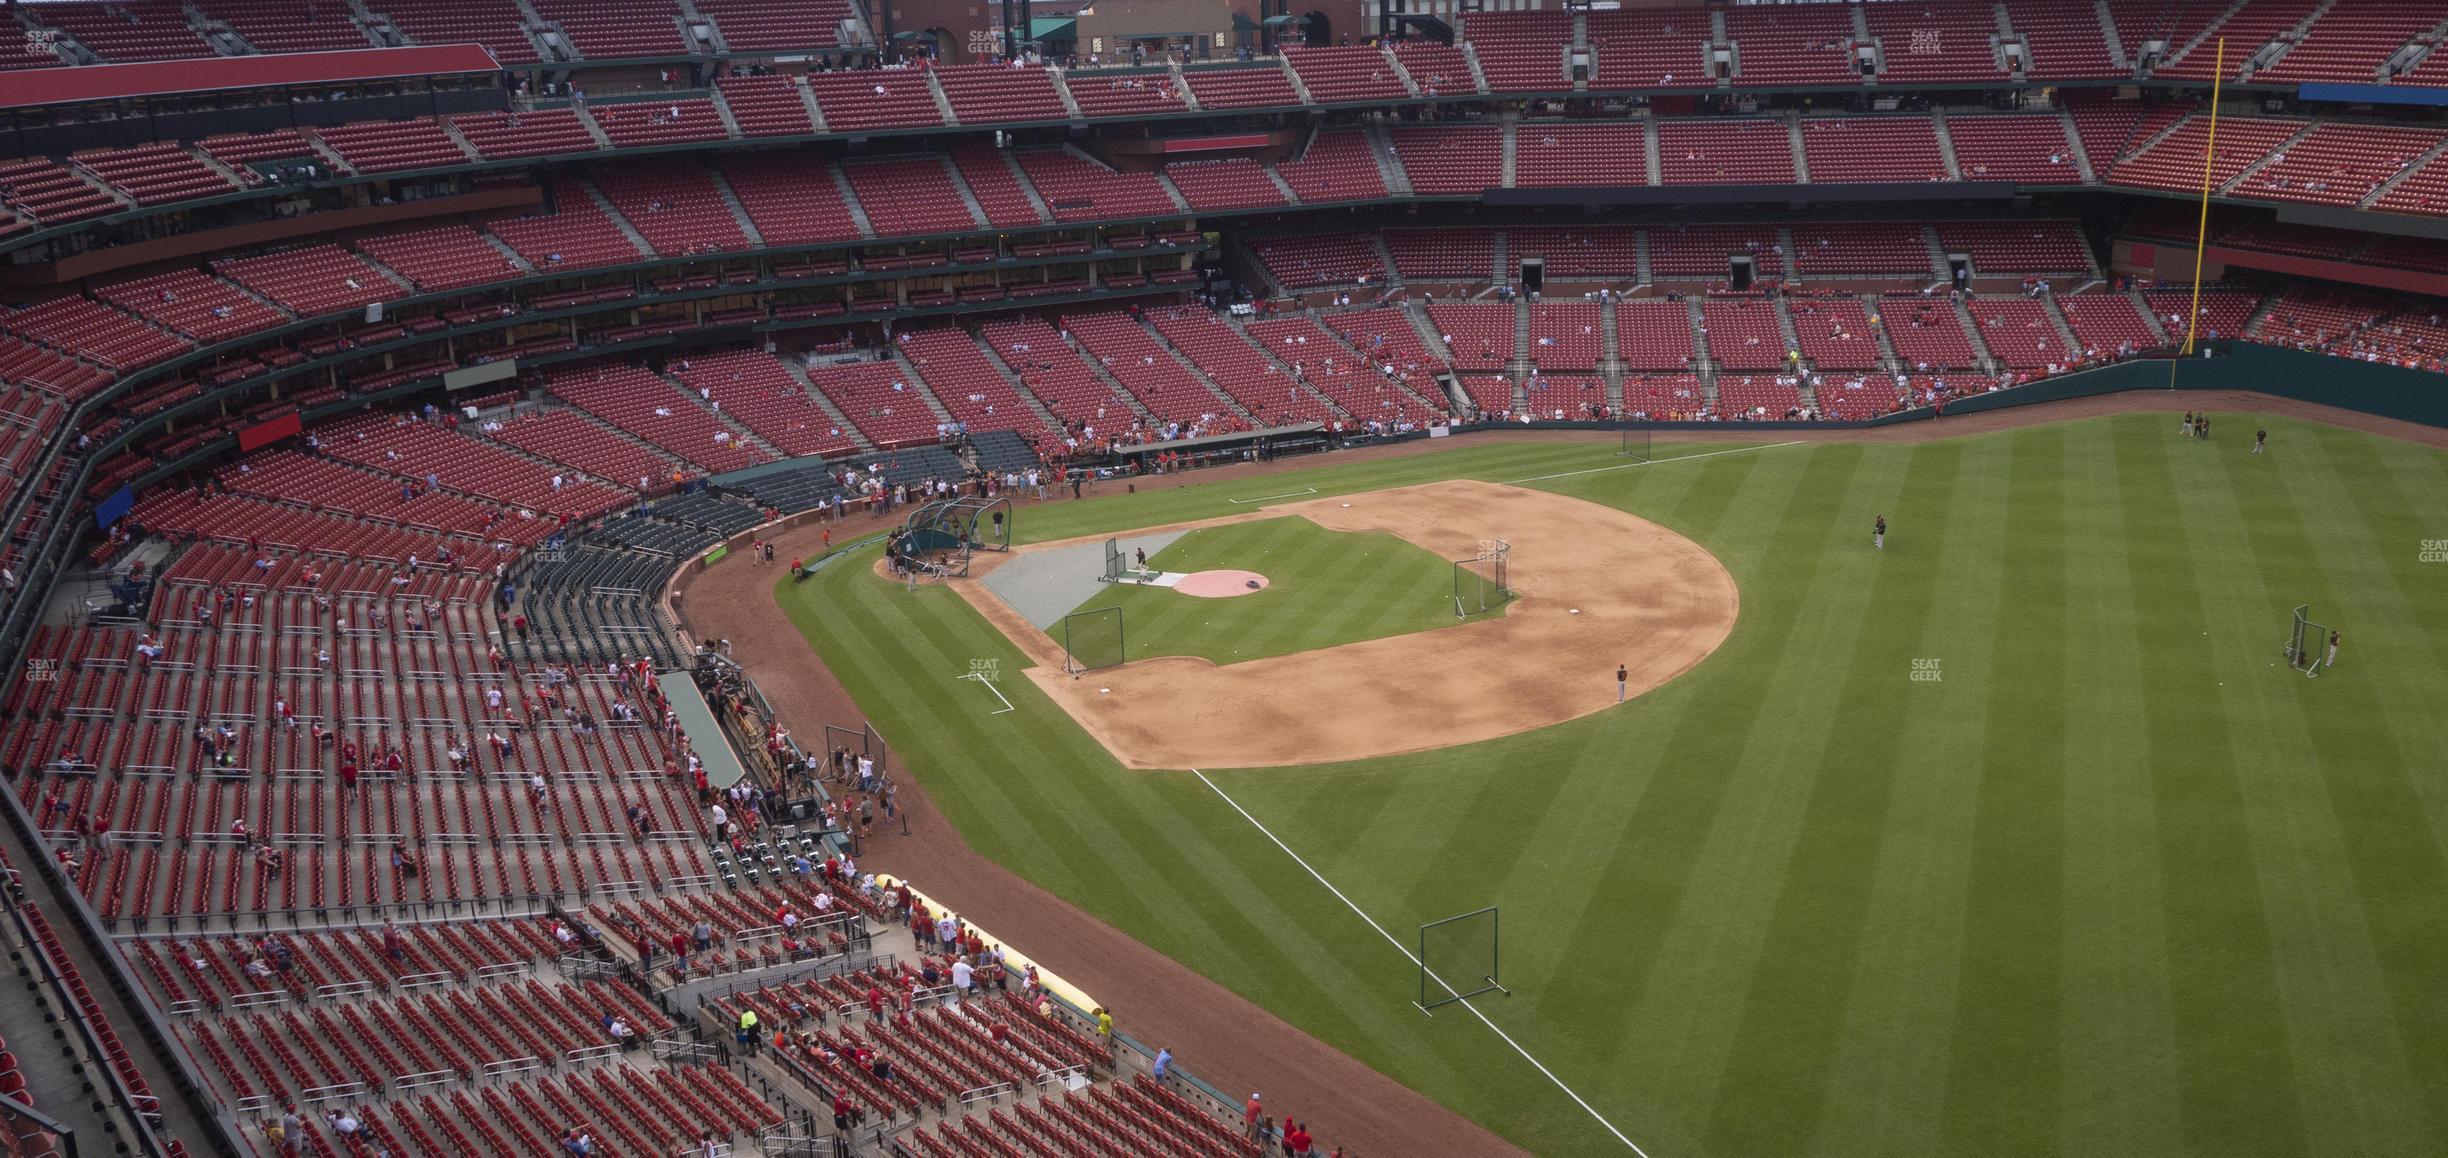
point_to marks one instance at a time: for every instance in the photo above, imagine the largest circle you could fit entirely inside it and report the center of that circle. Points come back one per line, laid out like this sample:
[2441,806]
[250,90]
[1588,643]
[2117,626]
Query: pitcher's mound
[1220,584]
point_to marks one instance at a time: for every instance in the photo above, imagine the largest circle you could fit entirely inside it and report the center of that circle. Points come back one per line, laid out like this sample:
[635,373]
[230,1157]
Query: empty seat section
[1078,189]
[1872,149]
[1671,397]
[1654,335]
[1757,397]
[1336,167]
[466,464]
[1321,259]
[1522,51]
[496,24]
[1480,335]
[2021,247]
[445,257]
[1242,88]
[1925,332]
[968,385]
[1725,152]
[2425,190]
[2027,148]
[2224,313]
[1350,73]
[766,106]
[567,436]
[498,136]
[643,405]
[1936,43]
[1792,44]
[601,31]
[385,146]
[874,99]
[1604,253]
[2106,323]
[1566,336]
[660,122]
[1835,333]
[1743,334]
[881,400]
[1225,184]
[1352,382]
[777,25]
[2175,161]
[2250,25]
[50,193]
[1436,69]
[1145,368]
[281,26]
[674,206]
[200,306]
[909,197]
[2064,41]
[128,30]
[154,173]
[1467,255]
[1701,252]
[243,151]
[94,332]
[988,93]
[316,279]
[988,173]
[2019,332]
[2337,164]
[1271,395]
[1649,48]
[576,234]
[1557,153]
[1054,372]
[792,198]
[1862,247]
[1452,159]
[1116,94]
[756,392]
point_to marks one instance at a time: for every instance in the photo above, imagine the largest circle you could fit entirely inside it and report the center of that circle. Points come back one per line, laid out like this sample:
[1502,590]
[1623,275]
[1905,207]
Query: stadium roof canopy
[35,87]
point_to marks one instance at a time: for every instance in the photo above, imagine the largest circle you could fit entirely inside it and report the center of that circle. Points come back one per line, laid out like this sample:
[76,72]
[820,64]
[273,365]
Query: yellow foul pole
[2201,232]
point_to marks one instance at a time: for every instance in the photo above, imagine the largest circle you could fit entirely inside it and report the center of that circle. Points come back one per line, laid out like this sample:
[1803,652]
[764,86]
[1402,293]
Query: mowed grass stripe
[2225,996]
[1803,978]
[2342,1024]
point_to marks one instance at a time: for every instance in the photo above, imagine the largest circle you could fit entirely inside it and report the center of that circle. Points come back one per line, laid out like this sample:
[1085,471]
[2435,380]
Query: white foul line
[981,678]
[1271,498]
[1399,948]
[1650,462]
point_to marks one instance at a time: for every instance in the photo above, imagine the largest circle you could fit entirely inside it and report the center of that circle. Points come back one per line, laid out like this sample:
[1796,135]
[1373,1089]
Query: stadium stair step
[739,212]
[1946,148]
[1470,56]
[1070,103]
[1011,378]
[594,129]
[610,211]
[807,100]
[1937,255]
[1400,73]
[943,100]
[1429,338]
[1785,241]
[1793,135]
[460,139]
[2142,305]
[1344,343]
[858,213]
[690,15]
[1173,191]
[1181,83]
[1285,368]
[2074,142]
[1281,186]
[798,372]
[1578,43]
[1785,327]
[1521,329]
[1657,171]
[1610,358]
[1385,261]
[722,109]
[1500,251]
[1028,188]
[1509,130]
[2110,36]
[739,430]
[1972,334]
[1887,354]
[1641,269]
[508,254]
[1285,63]
[918,383]
[2208,34]
[2057,320]
[1699,334]
[1389,163]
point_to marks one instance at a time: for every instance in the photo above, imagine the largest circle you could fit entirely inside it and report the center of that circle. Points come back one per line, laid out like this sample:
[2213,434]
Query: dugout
[1220,449]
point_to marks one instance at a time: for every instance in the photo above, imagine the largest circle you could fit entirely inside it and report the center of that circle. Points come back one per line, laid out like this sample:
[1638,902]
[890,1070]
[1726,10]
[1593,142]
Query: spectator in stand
[1164,1062]
[1296,1139]
[1250,1113]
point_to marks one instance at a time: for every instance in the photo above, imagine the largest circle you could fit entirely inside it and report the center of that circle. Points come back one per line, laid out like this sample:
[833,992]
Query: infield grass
[1324,589]
[2115,882]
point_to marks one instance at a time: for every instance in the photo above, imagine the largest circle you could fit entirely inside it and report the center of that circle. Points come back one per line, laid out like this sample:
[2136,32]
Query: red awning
[29,88]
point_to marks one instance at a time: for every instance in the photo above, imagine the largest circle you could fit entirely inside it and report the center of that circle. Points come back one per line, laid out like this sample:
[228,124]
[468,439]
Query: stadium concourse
[369,372]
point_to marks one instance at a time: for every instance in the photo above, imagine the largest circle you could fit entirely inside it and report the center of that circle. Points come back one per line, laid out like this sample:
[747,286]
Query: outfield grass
[1324,589]
[2116,883]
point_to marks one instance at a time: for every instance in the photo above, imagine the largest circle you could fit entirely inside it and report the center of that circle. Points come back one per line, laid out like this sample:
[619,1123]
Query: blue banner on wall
[2373,94]
[112,509]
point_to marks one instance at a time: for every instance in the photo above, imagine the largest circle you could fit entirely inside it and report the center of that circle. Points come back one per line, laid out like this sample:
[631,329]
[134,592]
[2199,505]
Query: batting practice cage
[1460,958]
[1633,444]
[1480,583]
[947,531]
[1092,639]
[2303,650]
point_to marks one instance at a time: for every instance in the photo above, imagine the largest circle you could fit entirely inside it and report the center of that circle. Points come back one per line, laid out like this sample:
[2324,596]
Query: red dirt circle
[1221,584]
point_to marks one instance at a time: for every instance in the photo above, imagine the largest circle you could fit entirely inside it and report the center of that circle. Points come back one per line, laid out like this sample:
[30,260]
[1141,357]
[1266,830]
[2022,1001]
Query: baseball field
[2017,837]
